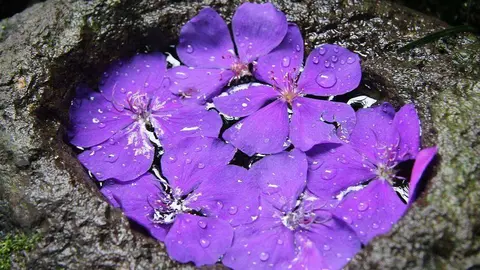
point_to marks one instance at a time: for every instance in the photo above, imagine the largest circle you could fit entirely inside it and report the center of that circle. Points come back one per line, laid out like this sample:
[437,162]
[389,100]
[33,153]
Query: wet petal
[423,159]
[327,245]
[285,59]
[198,84]
[281,177]
[408,126]
[375,133]
[371,211]
[231,194]
[205,41]
[134,197]
[193,160]
[174,121]
[142,74]
[93,119]
[125,156]
[187,241]
[312,122]
[264,132]
[335,167]
[330,70]
[244,99]
[260,247]
[258,29]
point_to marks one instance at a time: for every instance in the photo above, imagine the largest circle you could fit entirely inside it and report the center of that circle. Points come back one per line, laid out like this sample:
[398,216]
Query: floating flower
[207,49]
[295,229]
[330,70]
[195,210]
[117,122]
[380,142]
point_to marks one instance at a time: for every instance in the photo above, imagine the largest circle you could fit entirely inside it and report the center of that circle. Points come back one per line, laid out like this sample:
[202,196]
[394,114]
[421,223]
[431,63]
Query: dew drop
[101,125]
[335,49]
[326,247]
[298,48]
[201,165]
[188,161]
[362,206]
[202,224]
[347,219]
[264,256]
[375,225]
[334,59]
[280,241]
[232,210]
[172,159]
[315,60]
[181,75]
[326,79]
[95,120]
[327,63]
[219,204]
[350,60]
[286,61]
[328,174]
[123,90]
[322,51]
[198,149]
[111,158]
[244,105]
[204,243]
[267,140]
[315,165]
[189,49]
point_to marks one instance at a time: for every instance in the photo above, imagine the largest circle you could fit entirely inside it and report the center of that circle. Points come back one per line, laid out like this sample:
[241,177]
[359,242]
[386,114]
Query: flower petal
[134,197]
[258,29]
[264,132]
[309,124]
[423,159]
[230,194]
[142,74]
[174,121]
[201,240]
[281,177]
[375,132]
[335,243]
[371,211]
[129,148]
[206,42]
[93,119]
[245,99]
[192,161]
[260,247]
[198,84]
[408,126]
[330,70]
[282,65]
[335,167]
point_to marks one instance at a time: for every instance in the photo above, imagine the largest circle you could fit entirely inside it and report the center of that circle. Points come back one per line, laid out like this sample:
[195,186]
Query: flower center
[386,172]
[290,90]
[139,104]
[240,69]
[298,218]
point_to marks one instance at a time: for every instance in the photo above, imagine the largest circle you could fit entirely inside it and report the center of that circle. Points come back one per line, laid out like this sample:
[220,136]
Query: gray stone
[47,49]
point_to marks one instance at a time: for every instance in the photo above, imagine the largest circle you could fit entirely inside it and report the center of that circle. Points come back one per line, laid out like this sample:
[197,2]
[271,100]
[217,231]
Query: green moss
[13,244]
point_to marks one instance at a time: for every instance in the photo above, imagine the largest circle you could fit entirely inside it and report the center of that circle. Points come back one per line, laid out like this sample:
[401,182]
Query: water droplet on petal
[315,60]
[350,60]
[335,49]
[181,75]
[264,256]
[95,120]
[326,247]
[219,204]
[347,219]
[298,48]
[375,225]
[326,79]
[327,63]
[188,161]
[101,125]
[232,210]
[189,49]
[198,149]
[322,51]
[280,241]
[334,59]
[204,243]
[286,61]
[172,159]
[201,165]
[202,224]
[329,173]
[362,207]
[315,165]
[244,105]
[267,140]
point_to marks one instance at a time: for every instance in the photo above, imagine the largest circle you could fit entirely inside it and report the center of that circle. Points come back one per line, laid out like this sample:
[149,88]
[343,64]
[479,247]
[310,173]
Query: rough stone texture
[48,48]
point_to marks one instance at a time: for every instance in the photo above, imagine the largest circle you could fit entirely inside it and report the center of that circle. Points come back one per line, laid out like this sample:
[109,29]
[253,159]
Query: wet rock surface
[47,49]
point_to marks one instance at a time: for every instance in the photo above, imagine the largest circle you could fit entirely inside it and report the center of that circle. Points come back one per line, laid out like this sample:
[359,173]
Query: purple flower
[330,70]
[195,211]
[381,140]
[206,47]
[295,229]
[115,123]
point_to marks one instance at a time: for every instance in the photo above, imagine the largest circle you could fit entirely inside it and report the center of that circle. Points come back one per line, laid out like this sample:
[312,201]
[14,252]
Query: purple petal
[244,100]
[201,240]
[142,74]
[174,121]
[423,159]
[231,194]
[193,160]
[264,132]
[335,167]
[133,197]
[309,127]
[125,156]
[197,83]
[261,247]
[371,211]
[205,41]
[258,29]
[374,131]
[330,70]
[281,177]
[285,59]
[328,245]
[93,119]
[408,126]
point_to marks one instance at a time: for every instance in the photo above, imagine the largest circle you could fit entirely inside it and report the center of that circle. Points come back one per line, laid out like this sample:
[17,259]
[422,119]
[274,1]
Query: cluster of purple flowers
[327,179]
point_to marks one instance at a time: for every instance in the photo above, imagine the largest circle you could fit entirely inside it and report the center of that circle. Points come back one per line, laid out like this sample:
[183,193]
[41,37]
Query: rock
[48,48]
